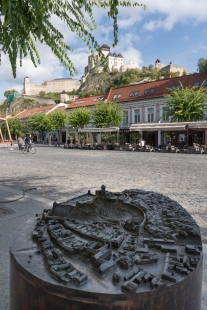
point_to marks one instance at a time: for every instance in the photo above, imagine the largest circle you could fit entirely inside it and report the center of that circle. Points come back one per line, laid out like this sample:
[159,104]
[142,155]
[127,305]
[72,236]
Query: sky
[170,30]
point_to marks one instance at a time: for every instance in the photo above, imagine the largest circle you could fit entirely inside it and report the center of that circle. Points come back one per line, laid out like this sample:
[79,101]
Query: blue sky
[171,30]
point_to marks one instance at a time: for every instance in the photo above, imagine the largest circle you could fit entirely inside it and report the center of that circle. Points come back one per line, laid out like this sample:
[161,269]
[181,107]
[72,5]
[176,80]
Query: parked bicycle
[29,148]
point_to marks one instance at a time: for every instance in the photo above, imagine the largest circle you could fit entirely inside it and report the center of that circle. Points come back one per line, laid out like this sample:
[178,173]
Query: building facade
[145,112]
[50,135]
[53,86]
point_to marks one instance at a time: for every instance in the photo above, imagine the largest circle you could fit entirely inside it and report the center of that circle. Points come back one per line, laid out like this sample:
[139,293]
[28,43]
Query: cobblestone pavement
[60,174]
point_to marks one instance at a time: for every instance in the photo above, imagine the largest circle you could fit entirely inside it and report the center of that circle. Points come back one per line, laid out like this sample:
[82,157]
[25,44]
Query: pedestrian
[56,141]
[143,143]
[20,143]
[11,144]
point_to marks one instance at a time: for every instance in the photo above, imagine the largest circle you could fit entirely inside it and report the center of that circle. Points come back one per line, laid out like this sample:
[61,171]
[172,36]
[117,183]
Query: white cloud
[182,11]
[127,49]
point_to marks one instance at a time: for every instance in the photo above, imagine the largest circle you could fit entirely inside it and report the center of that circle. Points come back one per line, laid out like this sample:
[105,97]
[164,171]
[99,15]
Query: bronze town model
[120,251]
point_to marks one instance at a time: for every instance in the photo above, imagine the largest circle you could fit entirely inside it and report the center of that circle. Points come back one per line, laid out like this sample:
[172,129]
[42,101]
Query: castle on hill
[52,86]
[114,62]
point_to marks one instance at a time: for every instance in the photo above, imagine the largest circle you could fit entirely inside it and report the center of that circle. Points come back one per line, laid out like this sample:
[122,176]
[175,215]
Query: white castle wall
[53,86]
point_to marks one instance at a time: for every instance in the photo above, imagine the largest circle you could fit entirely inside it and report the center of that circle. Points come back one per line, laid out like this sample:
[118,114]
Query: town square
[58,174]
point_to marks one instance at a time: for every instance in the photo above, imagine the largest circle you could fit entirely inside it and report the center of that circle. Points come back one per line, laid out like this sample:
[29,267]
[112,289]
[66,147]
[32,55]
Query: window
[150,114]
[80,102]
[137,116]
[178,86]
[204,83]
[149,91]
[134,93]
[165,116]
[197,83]
[114,96]
[99,99]
[119,95]
[125,117]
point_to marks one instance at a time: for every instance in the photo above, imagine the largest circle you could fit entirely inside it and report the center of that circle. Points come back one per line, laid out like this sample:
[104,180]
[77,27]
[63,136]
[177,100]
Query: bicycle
[28,148]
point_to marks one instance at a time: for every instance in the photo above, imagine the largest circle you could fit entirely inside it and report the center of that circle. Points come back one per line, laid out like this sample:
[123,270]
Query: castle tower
[26,86]
[105,50]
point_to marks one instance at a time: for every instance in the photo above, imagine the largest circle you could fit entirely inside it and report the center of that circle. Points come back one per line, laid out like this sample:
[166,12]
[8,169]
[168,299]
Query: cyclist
[28,141]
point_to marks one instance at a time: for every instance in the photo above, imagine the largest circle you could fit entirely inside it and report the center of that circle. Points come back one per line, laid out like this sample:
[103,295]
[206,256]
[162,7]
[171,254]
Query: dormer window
[149,91]
[178,86]
[116,96]
[204,83]
[197,83]
[134,93]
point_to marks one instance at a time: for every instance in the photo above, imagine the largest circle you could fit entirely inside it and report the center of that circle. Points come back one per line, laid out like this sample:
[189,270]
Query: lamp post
[186,129]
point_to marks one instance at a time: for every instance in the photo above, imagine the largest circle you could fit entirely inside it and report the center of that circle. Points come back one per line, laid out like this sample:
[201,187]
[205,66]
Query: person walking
[20,143]
[12,144]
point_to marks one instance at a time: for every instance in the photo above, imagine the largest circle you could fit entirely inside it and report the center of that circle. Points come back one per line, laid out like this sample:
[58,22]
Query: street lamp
[186,129]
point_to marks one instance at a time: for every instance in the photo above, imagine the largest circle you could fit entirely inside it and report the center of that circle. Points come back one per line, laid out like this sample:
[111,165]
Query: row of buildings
[144,113]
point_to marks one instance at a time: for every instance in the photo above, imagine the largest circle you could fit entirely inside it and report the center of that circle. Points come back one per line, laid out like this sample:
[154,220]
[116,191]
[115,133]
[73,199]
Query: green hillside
[100,83]
[18,105]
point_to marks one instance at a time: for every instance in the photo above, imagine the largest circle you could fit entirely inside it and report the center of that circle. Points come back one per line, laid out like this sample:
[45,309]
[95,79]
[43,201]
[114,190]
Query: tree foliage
[25,21]
[79,117]
[202,65]
[187,104]
[9,92]
[107,114]
[15,126]
[39,123]
[57,119]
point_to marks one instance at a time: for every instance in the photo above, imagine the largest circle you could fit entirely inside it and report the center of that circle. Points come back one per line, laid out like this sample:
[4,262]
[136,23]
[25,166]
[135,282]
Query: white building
[53,86]
[171,68]
[114,62]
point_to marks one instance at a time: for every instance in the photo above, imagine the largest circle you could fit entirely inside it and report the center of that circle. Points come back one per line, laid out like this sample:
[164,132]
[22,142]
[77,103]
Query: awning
[157,128]
[108,129]
[176,126]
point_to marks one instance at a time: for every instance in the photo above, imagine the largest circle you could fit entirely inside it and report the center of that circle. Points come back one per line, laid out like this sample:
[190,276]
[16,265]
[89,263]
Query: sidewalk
[14,214]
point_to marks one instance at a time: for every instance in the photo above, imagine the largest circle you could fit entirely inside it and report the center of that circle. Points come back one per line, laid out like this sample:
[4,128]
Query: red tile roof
[85,102]
[161,87]
[29,112]
[2,116]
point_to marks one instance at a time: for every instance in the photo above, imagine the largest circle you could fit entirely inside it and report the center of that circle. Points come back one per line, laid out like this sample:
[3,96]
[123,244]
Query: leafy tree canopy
[15,126]
[79,117]
[25,21]
[39,123]
[107,114]
[187,104]
[57,119]
[8,92]
[202,65]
